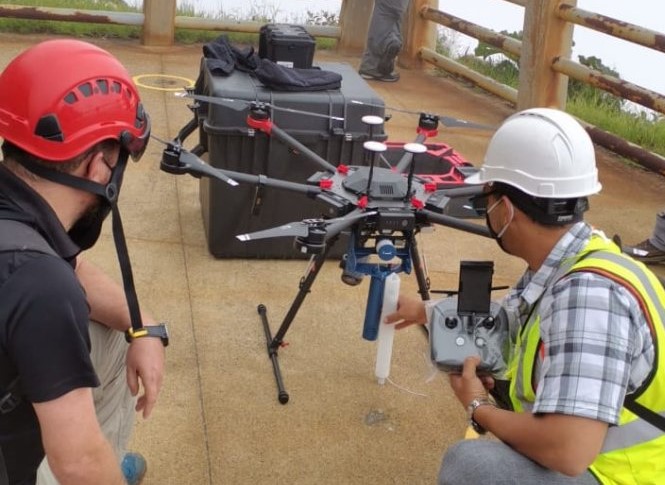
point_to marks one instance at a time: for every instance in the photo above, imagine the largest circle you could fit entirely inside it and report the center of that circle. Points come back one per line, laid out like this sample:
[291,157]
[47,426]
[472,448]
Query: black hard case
[232,145]
[288,45]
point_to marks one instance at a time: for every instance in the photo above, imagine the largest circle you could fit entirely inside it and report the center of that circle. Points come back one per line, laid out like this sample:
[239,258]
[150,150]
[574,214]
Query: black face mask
[87,229]
[85,232]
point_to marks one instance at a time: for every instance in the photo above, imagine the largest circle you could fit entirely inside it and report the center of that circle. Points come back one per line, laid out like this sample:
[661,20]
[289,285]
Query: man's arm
[76,449]
[567,444]
[107,300]
[108,306]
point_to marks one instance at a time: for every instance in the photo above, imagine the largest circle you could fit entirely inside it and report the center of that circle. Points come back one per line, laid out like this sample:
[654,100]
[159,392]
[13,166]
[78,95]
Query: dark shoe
[645,252]
[375,76]
[387,62]
[134,467]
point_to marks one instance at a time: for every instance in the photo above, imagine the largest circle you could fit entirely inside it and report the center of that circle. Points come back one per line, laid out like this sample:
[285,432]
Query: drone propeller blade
[446,121]
[306,113]
[301,228]
[458,123]
[292,229]
[242,105]
[234,104]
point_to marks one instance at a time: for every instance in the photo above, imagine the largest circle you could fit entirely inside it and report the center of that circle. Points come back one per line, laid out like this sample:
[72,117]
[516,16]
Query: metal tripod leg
[421,277]
[275,342]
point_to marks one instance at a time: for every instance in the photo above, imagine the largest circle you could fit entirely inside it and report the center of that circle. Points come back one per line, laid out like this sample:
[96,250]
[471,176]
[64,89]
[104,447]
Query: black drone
[382,209]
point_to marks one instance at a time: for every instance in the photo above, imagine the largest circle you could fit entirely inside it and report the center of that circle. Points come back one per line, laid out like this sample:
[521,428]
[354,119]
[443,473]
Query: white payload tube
[386,333]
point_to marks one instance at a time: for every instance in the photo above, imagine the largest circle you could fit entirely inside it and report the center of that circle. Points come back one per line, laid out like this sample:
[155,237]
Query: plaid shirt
[597,342]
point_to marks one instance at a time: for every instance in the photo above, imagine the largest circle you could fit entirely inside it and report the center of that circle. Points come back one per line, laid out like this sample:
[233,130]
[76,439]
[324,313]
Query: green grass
[264,14]
[591,105]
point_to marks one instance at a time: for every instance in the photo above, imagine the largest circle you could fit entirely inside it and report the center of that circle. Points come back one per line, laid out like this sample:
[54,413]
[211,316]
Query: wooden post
[418,33]
[546,37]
[159,22]
[354,24]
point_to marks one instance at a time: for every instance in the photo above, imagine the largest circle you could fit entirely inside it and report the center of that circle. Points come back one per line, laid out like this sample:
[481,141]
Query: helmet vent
[49,128]
[103,86]
[71,98]
[86,89]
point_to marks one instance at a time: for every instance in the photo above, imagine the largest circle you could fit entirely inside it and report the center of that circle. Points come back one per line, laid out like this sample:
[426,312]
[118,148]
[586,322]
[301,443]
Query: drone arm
[466,191]
[455,223]
[178,161]
[285,138]
[345,222]
[309,190]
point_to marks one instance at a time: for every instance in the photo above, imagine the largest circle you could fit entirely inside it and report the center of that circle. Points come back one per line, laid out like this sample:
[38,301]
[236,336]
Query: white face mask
[497,235]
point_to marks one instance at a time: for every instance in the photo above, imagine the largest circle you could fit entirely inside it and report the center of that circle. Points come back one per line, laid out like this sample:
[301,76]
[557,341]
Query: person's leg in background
[114,403]
[651,250]
[384,40]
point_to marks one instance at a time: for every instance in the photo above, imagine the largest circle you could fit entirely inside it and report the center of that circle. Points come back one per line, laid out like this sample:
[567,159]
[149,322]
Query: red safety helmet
[61,97]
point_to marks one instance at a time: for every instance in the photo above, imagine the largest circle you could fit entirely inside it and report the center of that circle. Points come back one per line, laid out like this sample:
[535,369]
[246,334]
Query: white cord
[405,389]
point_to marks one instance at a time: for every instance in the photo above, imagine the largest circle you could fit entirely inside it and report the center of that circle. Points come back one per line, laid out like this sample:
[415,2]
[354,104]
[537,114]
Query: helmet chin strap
[109,193]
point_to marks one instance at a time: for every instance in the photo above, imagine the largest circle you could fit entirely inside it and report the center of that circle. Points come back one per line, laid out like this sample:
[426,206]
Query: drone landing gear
[276,341]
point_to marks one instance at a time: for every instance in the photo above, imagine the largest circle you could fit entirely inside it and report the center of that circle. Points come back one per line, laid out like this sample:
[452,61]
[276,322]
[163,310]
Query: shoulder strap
[643,412]
[17,236]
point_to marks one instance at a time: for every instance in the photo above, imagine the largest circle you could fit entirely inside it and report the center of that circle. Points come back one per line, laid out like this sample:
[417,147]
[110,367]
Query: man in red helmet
[74,346]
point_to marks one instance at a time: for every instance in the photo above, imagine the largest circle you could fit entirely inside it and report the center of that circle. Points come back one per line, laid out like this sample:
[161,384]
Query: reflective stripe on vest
[628,450]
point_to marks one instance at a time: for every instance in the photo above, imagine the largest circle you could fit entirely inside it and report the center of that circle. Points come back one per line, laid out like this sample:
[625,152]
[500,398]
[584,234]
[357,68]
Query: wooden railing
[544,53]
[545,63]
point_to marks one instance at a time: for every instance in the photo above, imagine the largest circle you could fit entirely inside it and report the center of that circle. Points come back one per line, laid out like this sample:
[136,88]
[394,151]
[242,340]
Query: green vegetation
[259,14]
[595,106]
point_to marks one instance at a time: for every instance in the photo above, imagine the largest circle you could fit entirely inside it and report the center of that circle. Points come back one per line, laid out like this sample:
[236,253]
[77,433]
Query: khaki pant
[113,401]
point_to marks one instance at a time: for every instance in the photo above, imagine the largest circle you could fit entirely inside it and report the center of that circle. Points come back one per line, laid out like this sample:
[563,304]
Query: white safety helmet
[543,152]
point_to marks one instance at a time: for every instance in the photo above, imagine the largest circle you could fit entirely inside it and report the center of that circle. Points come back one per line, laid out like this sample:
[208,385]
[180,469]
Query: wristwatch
[471,408]
[158,331]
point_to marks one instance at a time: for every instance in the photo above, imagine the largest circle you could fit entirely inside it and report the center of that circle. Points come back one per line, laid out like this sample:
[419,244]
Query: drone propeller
[302,228]
[446,121]
[242,105]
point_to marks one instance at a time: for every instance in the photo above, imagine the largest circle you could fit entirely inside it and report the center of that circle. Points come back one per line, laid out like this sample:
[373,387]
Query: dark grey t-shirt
[44,320]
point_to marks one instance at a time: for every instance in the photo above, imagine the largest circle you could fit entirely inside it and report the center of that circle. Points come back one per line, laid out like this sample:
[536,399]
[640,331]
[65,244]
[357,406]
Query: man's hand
[409,311]
[468,385]
[145,362]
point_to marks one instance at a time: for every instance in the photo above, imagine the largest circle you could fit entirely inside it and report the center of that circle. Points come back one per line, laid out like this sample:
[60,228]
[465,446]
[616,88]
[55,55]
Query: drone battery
[232,145]
[287,45]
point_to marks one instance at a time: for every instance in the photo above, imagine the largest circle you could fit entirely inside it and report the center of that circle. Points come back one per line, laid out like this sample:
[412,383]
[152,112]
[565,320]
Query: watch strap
[156,331]
[471,409]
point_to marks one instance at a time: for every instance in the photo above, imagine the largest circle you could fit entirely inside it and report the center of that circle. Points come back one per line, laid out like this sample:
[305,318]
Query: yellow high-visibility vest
[633,452]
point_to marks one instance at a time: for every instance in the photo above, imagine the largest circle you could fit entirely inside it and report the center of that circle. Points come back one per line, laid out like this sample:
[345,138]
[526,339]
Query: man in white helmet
[586,398]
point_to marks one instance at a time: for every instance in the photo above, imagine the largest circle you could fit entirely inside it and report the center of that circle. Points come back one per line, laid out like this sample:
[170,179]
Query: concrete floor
[218,420]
